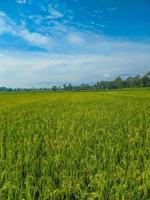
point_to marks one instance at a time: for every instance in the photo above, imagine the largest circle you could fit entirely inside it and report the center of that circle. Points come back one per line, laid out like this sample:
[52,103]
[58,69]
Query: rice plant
[86,146]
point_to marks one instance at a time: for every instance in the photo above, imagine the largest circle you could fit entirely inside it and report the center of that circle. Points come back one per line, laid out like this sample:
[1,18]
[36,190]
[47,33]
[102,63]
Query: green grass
[90,145]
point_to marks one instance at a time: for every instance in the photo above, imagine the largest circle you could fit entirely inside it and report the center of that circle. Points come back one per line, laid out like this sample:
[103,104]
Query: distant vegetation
[118,83]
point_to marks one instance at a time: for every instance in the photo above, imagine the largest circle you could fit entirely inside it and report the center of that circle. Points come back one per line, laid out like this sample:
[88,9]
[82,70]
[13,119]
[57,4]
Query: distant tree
[145,81]
[59,87]
[130,82]
[134,81]
[118,82]
[137,81]
[64,86]
[54,88]
[148,74]
[70,86]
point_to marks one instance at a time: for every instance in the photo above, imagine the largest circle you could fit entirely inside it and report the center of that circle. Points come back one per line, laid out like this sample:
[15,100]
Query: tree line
[118,83]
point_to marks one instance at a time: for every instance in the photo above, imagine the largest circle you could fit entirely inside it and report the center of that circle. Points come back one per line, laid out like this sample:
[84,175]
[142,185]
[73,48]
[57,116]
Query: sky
[51,42]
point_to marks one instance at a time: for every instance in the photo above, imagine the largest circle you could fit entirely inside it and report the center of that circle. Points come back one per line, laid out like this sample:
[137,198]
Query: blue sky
[45,42]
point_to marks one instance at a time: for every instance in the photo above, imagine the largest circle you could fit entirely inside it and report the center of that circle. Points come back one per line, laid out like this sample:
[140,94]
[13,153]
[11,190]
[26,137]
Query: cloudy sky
[72,41]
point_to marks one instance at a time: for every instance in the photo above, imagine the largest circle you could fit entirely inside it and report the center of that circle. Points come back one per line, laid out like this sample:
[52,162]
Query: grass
[90,146]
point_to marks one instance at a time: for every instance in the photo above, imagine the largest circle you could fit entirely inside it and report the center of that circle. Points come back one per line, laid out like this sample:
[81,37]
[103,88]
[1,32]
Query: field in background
[90,145]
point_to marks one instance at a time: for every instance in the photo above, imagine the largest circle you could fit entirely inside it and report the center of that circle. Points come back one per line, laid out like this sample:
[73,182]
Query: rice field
[77,145]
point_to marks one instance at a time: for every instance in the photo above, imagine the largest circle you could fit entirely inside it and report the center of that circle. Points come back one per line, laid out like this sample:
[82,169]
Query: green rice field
[75,145]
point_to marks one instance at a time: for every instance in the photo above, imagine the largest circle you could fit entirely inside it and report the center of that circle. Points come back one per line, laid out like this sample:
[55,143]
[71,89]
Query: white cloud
[54,14]
[87,57]
[66,39]
[35,39]
[22,1]
[22,69]
[75,39]
[107,75]
[5,23]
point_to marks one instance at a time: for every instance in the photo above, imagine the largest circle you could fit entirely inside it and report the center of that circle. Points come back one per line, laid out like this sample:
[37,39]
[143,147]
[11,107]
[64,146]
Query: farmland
[75,145]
